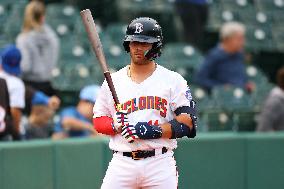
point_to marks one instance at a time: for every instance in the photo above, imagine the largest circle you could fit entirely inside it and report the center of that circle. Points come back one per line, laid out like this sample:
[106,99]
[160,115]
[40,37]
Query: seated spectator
[224,65]
[77,121]
[9,70]
[39,124]
[272,115]
[40,109]
[39,46]
[11,59]
[36,97]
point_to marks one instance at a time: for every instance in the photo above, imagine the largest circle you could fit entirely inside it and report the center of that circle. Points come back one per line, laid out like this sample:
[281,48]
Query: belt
[141,154]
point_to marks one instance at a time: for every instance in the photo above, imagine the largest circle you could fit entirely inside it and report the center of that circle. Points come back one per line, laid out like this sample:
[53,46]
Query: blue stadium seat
[214,17]
[219,120]
[117,57]
[278,17]
[278,36]
[81,37]
[259,38]
[72,51]
[73,77]
[245,120]
[252,17]
[232,99]
[201,124]
[269,5]
[14,20]
[235,4]
[256,75]
[204,101]
[62,11]
[117,33]
[62,28]
[182,58]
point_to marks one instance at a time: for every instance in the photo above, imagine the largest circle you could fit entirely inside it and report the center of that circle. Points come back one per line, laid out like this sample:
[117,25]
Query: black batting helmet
[145,29]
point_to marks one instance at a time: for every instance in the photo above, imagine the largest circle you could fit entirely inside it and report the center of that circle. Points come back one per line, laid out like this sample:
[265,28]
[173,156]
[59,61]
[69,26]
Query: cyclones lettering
[146,102]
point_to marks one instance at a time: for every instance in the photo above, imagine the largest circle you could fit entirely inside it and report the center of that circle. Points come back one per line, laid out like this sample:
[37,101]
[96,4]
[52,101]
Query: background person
[39,46]
[272,115]
[224,64]
[9,70]
[5,113]
[36,97]
[39,125]
[77,121]
[11,64]
[40,109]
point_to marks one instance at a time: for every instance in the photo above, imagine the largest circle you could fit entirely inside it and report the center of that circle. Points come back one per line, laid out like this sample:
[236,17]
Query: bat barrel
[93,36]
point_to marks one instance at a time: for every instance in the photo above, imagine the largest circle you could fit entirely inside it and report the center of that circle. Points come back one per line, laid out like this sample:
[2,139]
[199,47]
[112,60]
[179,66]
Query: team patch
[173,105]
[188,94]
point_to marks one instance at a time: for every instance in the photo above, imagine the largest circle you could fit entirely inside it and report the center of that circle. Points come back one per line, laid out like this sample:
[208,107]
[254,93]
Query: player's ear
[154,52]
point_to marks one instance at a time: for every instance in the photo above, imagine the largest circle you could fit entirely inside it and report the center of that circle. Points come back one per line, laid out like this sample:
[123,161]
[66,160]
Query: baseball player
[156,108]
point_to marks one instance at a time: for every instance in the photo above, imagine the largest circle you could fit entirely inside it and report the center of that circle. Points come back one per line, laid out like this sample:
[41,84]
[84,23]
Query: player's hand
[129,133]
[250,86]
[120,119]
[142,130]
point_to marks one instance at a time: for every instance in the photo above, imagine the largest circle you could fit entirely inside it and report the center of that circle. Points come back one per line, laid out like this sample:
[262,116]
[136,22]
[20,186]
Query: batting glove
[142,130]
[120,119]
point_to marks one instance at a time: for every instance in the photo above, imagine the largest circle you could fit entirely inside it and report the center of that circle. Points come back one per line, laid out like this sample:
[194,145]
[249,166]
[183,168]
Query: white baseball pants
[157,172]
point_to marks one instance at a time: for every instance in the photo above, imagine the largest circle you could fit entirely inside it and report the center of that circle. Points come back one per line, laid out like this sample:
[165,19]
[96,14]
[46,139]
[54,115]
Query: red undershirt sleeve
[103,125]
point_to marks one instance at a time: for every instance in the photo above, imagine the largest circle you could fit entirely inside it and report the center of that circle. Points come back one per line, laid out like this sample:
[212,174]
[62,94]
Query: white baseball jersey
[154,101]
[16,90]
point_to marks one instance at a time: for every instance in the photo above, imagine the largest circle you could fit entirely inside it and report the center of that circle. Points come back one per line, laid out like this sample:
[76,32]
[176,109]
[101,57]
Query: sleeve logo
[188,94]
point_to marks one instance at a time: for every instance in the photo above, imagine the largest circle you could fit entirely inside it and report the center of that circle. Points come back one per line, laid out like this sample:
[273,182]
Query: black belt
[141,154]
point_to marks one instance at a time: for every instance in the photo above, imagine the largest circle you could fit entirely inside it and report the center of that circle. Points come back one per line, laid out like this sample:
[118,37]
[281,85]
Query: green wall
[27,165]
[265,162]
[1,168]
[213,160]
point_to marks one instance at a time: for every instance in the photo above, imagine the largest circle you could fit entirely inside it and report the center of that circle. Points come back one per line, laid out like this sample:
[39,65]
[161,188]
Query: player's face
[138,51]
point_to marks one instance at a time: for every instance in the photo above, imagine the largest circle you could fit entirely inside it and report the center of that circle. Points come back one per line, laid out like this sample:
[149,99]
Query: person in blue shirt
[77,121]
[224,64]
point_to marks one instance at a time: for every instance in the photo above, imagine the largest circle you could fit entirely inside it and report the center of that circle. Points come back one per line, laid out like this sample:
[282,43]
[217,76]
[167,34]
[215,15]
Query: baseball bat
[95,41]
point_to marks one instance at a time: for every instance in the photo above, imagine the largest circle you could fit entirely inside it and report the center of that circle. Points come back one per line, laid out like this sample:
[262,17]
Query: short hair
[231,28]
[280,78]
[40,115]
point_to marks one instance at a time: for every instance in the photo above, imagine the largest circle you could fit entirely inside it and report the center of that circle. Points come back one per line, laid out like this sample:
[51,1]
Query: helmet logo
[139,28]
